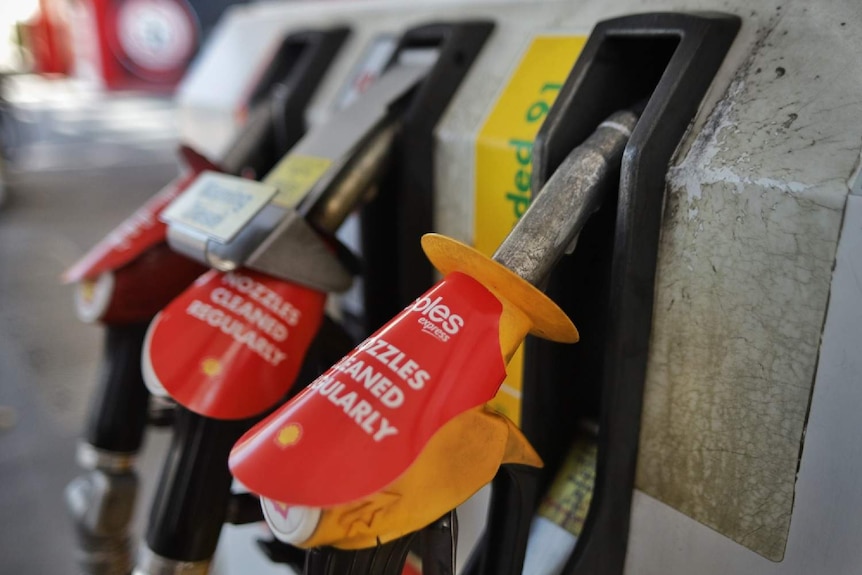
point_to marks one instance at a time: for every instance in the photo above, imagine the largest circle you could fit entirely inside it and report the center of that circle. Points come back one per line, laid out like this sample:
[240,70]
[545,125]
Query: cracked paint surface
[752,217]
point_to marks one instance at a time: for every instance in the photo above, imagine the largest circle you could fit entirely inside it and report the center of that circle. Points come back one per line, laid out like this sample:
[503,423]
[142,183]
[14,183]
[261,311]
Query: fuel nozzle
[275,226]
[255,322]
[299,248]
[547,231]
[406,409]
[113,280]
[328,205]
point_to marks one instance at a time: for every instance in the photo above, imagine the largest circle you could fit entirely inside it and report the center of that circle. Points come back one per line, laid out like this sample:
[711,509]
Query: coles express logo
[436,318]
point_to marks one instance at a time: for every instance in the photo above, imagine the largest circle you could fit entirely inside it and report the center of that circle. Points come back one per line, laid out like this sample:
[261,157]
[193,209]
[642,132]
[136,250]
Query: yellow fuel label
[504,156]
[294,176]
[567,502]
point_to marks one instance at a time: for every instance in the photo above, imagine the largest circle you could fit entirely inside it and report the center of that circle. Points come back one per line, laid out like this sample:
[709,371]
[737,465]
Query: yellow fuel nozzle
[547,230]
[468,447]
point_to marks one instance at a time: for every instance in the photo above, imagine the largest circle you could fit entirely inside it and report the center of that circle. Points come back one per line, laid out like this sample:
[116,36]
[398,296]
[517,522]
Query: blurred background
[87,134]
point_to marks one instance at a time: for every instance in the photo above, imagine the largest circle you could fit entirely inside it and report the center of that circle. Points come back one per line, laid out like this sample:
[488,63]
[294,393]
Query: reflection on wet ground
[81,161]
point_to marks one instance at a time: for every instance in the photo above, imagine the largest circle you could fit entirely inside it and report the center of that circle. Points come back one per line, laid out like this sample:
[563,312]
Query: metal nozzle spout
[351,184]
[560,210]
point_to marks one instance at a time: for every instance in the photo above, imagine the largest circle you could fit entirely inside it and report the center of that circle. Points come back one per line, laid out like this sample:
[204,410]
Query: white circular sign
[291,524]
[157,35]
[93,297]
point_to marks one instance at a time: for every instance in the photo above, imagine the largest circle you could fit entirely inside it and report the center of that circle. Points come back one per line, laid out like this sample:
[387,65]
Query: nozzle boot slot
[660,64]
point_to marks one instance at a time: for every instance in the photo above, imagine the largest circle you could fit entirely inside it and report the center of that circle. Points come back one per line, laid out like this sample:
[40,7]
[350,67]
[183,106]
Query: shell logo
[88,290]
[281,508]
[211,366]
[289,435]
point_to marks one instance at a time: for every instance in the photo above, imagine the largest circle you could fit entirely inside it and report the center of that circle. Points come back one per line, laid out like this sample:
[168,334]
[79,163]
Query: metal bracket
[345,141]
[101,505]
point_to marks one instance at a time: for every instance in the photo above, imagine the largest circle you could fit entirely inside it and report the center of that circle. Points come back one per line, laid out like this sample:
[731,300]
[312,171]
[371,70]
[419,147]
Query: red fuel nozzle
[232,344]
[377,408]
[371,415]
[131,274]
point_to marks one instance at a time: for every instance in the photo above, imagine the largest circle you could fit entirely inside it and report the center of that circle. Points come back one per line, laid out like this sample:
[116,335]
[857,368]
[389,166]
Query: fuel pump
[245,326]
[397,433]
[132,274]
[665,62]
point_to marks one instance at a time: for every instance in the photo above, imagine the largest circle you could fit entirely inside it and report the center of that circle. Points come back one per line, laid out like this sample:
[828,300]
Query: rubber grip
[118,408]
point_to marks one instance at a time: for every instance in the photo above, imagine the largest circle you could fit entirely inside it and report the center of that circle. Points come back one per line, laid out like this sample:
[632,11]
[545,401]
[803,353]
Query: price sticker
[219,205]
[294,176]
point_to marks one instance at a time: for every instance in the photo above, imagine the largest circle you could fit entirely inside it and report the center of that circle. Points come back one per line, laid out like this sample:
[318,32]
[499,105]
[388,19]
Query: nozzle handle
[439,545]
[118,409]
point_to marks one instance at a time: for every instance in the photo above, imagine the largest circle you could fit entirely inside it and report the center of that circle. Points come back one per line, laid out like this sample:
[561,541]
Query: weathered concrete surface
[752,218]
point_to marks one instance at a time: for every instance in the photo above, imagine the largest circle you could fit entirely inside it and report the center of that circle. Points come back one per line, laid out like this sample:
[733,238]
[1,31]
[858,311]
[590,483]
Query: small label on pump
[373,412]
[294,176]
[218,205]
[504,158]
